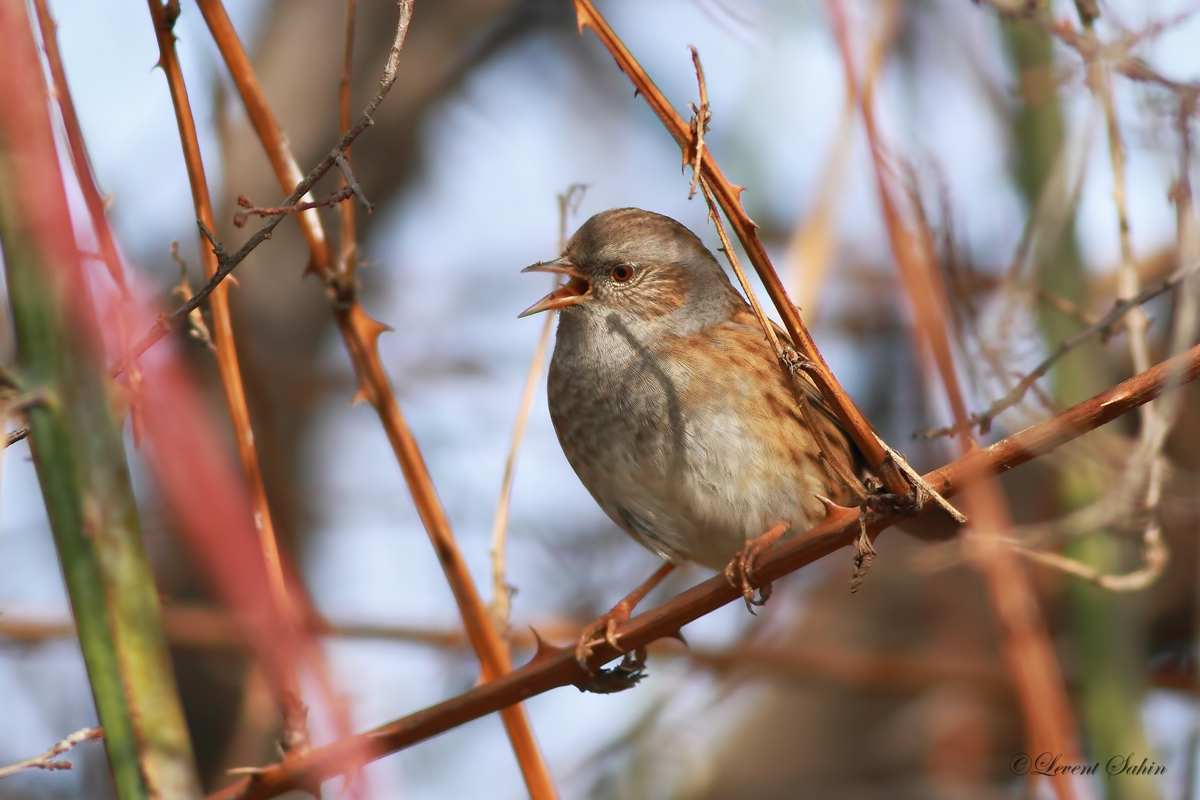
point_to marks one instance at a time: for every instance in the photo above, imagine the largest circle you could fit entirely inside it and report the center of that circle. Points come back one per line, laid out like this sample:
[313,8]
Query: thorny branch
[49,759]
[295,736]
[1102,327]
[360,334]
[555,667]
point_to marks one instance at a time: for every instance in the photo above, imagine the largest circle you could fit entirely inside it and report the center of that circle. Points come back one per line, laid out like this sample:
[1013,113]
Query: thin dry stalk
[783,353]
[501,605]
[360,334]
[1025,640]
[728,197]
[811,247]
[199,328]
[555,667]
[698,124]
[1127,281]
[294,712]
[837,469]
[49,760]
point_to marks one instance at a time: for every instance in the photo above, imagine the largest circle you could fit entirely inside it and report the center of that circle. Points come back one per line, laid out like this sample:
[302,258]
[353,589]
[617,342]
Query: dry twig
[199,328]
[501,591]
[49,759]
[249,209]
[1101,327]
[698,125]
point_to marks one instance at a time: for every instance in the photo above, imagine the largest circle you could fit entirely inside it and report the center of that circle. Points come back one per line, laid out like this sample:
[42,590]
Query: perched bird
[671,405]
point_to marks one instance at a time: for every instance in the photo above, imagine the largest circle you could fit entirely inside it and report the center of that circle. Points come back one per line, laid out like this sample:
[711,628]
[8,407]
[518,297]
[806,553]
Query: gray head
[644,267]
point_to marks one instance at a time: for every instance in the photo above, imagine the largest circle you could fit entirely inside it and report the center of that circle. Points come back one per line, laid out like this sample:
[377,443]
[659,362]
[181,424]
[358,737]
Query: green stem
[80,457]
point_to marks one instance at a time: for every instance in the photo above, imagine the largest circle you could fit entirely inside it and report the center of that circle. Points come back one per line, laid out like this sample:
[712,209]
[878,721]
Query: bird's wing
[746,317]
[803,381]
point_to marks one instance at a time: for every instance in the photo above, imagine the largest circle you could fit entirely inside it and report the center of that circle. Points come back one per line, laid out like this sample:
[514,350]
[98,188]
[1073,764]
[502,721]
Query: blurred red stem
[1026,642]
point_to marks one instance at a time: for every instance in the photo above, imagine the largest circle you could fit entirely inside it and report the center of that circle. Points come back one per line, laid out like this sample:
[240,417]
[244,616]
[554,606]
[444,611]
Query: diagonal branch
[552,667]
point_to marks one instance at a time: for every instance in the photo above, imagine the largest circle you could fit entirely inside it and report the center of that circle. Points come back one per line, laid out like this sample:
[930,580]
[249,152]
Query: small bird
[672,406]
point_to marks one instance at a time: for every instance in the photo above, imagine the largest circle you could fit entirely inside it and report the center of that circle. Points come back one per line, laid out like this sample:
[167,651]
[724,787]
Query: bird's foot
[740,571]
[607,623]
[621,677]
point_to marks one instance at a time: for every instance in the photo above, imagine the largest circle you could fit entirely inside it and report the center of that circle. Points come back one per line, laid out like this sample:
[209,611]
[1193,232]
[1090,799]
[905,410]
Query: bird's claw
[608,624]
[619,678]
[740,570]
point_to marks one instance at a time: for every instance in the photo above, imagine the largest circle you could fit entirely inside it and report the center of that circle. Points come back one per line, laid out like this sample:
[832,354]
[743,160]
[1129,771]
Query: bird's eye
[622,273]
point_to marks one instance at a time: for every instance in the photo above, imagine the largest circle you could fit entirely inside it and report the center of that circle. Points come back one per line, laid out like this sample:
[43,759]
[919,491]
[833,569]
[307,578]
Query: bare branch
[249,209]
[1102,326]
[48,760]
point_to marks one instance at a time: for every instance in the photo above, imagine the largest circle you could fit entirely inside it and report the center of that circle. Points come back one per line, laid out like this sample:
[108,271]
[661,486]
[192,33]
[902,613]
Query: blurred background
[898,691]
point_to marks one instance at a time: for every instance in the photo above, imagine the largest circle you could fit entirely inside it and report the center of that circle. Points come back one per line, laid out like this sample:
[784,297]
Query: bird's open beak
[570,293]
